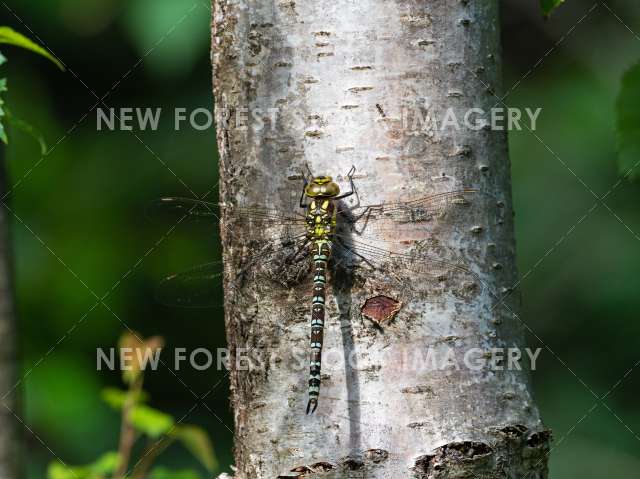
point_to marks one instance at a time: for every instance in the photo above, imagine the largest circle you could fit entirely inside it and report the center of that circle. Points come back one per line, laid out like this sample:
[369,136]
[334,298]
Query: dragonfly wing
[198,287]
[194,209]
[282,260]
[435,273]
[388,216]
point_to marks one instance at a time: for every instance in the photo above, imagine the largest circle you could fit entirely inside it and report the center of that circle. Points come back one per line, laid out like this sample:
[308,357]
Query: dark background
[80,218]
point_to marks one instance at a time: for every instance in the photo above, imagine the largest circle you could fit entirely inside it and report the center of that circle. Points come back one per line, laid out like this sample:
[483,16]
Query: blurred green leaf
[29,130]
[116,398]
[150,421]
[3,59]
[106,464]
[57,470]
[628,123]
[11,37]
[197,441]
[103,466]
[548,6]
[164,473]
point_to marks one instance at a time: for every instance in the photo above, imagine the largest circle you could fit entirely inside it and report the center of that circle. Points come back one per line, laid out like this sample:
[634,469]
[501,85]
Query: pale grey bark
[341,76]
[9,438]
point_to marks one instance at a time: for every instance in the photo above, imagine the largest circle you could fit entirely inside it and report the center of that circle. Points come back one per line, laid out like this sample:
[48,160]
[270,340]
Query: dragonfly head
[322,187]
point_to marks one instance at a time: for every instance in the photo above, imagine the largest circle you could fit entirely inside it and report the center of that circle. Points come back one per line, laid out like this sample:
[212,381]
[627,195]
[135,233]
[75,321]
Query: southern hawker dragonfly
[330,236]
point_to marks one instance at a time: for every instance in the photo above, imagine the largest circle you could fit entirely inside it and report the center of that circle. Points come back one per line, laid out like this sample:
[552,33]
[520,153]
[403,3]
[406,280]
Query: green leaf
[103,466]
[3,59]
[11,37]
[548,6]
[106,464]
[197,441]
[29,130]
[57,470]
[628,124]
[116,398]
[150,421]
[164,473]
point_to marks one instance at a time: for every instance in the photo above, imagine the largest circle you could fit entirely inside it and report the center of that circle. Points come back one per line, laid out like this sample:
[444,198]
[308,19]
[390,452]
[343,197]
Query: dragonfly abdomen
[321,254]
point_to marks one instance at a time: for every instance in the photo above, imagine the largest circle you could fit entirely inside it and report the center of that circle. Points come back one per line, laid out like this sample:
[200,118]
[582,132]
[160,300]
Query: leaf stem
[150,455]
[128,434]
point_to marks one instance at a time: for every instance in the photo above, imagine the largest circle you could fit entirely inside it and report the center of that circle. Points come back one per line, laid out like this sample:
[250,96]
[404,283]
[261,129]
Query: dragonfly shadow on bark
[342,268]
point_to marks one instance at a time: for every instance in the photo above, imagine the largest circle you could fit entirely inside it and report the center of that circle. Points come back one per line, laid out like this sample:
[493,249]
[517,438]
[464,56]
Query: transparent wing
[421,210]
[283,260]
[435,273]
[189,208]
[198,287]
[410,227]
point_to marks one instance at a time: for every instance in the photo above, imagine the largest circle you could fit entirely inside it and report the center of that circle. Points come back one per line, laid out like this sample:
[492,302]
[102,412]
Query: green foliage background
[86,201]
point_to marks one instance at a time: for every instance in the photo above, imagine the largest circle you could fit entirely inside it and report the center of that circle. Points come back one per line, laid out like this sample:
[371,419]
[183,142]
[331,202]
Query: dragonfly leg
[303,196]
[305,179]
[365,214]
[353,191]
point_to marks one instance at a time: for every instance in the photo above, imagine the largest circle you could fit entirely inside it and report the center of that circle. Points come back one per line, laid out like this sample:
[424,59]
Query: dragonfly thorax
[321,219]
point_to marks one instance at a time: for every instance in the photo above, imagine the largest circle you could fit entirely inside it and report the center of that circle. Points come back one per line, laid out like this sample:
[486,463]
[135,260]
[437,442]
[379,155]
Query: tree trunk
[341,83]
[9,437]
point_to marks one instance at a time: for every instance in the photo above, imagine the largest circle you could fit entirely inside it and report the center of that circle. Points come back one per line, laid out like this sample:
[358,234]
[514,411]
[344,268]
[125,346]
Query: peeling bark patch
[380,309]
[516,453]
[539,439]
[316,468]
[457,455]
[371,459]
[514,431]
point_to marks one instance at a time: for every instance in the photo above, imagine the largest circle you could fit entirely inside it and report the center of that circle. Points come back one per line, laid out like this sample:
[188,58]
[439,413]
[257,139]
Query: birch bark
[369,83]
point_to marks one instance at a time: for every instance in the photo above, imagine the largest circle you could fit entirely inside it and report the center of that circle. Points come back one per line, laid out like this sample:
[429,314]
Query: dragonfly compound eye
[322,186]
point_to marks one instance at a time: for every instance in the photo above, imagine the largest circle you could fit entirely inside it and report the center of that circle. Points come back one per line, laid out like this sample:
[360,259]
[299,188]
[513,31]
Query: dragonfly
[329,235]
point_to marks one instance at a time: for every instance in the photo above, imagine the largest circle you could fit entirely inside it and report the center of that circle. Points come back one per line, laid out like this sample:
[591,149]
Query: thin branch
[128,433]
